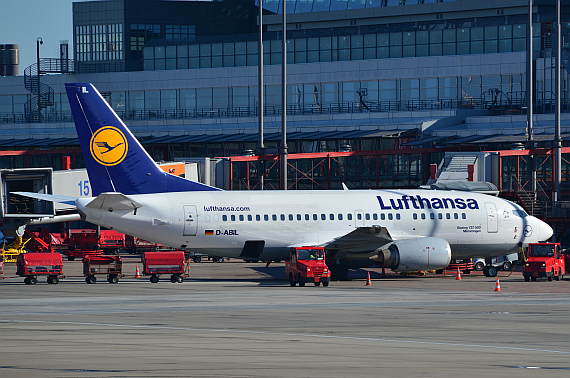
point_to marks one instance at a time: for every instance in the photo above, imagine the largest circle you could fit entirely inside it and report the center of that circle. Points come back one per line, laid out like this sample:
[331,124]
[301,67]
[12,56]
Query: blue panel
[412,2]
[356,4]
[430,1]
[373,3]
[393,3]
[272,5]
[303,6]
[290,6]
[321,5]
[339,4]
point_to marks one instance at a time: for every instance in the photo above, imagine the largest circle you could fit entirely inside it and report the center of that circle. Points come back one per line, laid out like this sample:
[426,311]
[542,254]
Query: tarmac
[237,319]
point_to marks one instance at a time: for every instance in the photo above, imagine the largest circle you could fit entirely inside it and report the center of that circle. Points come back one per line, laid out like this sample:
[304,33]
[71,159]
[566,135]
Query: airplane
[405,230]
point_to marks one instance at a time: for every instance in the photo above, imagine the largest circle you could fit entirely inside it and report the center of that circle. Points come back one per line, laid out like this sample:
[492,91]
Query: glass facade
[304,6]
[439,42]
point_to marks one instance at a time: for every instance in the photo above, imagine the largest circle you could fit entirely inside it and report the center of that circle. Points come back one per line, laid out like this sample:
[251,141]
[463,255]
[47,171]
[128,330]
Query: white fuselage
[219,223]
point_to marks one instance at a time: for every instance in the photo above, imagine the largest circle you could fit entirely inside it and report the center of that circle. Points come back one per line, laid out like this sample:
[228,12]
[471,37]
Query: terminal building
[392,83]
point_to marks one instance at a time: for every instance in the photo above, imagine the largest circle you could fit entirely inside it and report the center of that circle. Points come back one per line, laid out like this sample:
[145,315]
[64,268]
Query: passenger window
[375,216]
[225,218]
[241,218]
[216,219]
[249,217]
[298,217]
[266,217]
[398,216]
[331,216]
[233,217]
[340,217]
[282,217]
[323,217]
[423,216]
[367,216]
[463,215]
[306,216]
[315,217]
[274,217]
[382,216]
[415,216]
[432,216]
[455,216]
[440,216]
[390,216]
[349,216]
[290,217]
[257,217]
[448,216]
[207,218]
[359,216]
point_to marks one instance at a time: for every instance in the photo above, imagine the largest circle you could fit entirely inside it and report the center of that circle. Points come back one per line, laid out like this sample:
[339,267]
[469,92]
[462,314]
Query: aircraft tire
[492,271]
[292,281]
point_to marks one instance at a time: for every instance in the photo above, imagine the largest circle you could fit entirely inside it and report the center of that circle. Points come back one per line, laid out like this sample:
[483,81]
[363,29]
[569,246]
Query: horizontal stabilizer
[113,201]
[49,197]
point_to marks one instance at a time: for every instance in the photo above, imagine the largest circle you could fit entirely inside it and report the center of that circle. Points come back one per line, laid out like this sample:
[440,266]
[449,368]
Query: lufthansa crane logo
[109,146]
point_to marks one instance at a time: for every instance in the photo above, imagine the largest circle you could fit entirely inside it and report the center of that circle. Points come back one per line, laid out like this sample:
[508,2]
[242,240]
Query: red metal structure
[112,266]
[32,265]
[157,263]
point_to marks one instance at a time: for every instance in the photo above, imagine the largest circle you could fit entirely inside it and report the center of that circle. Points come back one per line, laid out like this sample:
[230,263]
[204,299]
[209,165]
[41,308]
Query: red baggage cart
[32,265]
[157,263]
[112,266]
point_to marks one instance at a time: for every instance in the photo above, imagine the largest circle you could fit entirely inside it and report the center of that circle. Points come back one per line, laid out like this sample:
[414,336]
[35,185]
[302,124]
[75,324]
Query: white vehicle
[405,230]
[501,262]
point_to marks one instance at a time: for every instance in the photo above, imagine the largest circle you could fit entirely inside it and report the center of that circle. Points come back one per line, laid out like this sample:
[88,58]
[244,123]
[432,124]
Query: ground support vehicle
[134,245]
[544,260]
[32,265]
[157,263]
[500,262]
[465,266]
[307,264]
[112,266]
[11,252]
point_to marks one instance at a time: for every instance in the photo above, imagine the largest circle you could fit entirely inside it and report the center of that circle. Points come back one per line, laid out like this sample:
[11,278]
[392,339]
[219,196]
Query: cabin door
[190,220]
[492,220]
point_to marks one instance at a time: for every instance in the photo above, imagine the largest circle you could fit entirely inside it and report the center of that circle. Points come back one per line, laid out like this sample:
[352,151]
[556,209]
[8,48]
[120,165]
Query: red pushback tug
[307,264]
[32,265]
[544,260]
[112,266]
[157,263]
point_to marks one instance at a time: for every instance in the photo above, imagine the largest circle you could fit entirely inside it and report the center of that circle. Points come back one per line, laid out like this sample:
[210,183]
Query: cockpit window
[520,213]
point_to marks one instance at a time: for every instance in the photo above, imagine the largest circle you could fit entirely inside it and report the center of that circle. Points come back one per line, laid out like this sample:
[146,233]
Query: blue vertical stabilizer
[115,160]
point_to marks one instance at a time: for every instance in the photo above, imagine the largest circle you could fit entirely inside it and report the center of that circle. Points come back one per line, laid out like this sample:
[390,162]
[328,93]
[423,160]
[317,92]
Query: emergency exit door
[492,220]
[190,220]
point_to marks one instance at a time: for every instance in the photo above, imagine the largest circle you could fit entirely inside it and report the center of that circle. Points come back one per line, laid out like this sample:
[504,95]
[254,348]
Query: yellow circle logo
[109,146]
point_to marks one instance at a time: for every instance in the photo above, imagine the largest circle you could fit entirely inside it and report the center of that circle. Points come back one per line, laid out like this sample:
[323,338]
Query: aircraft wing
[363,242]
[48,197]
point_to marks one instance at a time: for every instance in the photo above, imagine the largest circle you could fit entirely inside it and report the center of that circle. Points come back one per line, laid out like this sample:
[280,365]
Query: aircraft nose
[545,232]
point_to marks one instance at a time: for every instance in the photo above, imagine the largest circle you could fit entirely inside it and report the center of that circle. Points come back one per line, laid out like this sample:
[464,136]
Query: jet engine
[419,254]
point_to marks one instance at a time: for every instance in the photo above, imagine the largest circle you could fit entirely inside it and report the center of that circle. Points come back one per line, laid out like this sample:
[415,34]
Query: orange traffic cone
[368,282]
[458,276]
[383,272]
[497,285]
[137,273]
